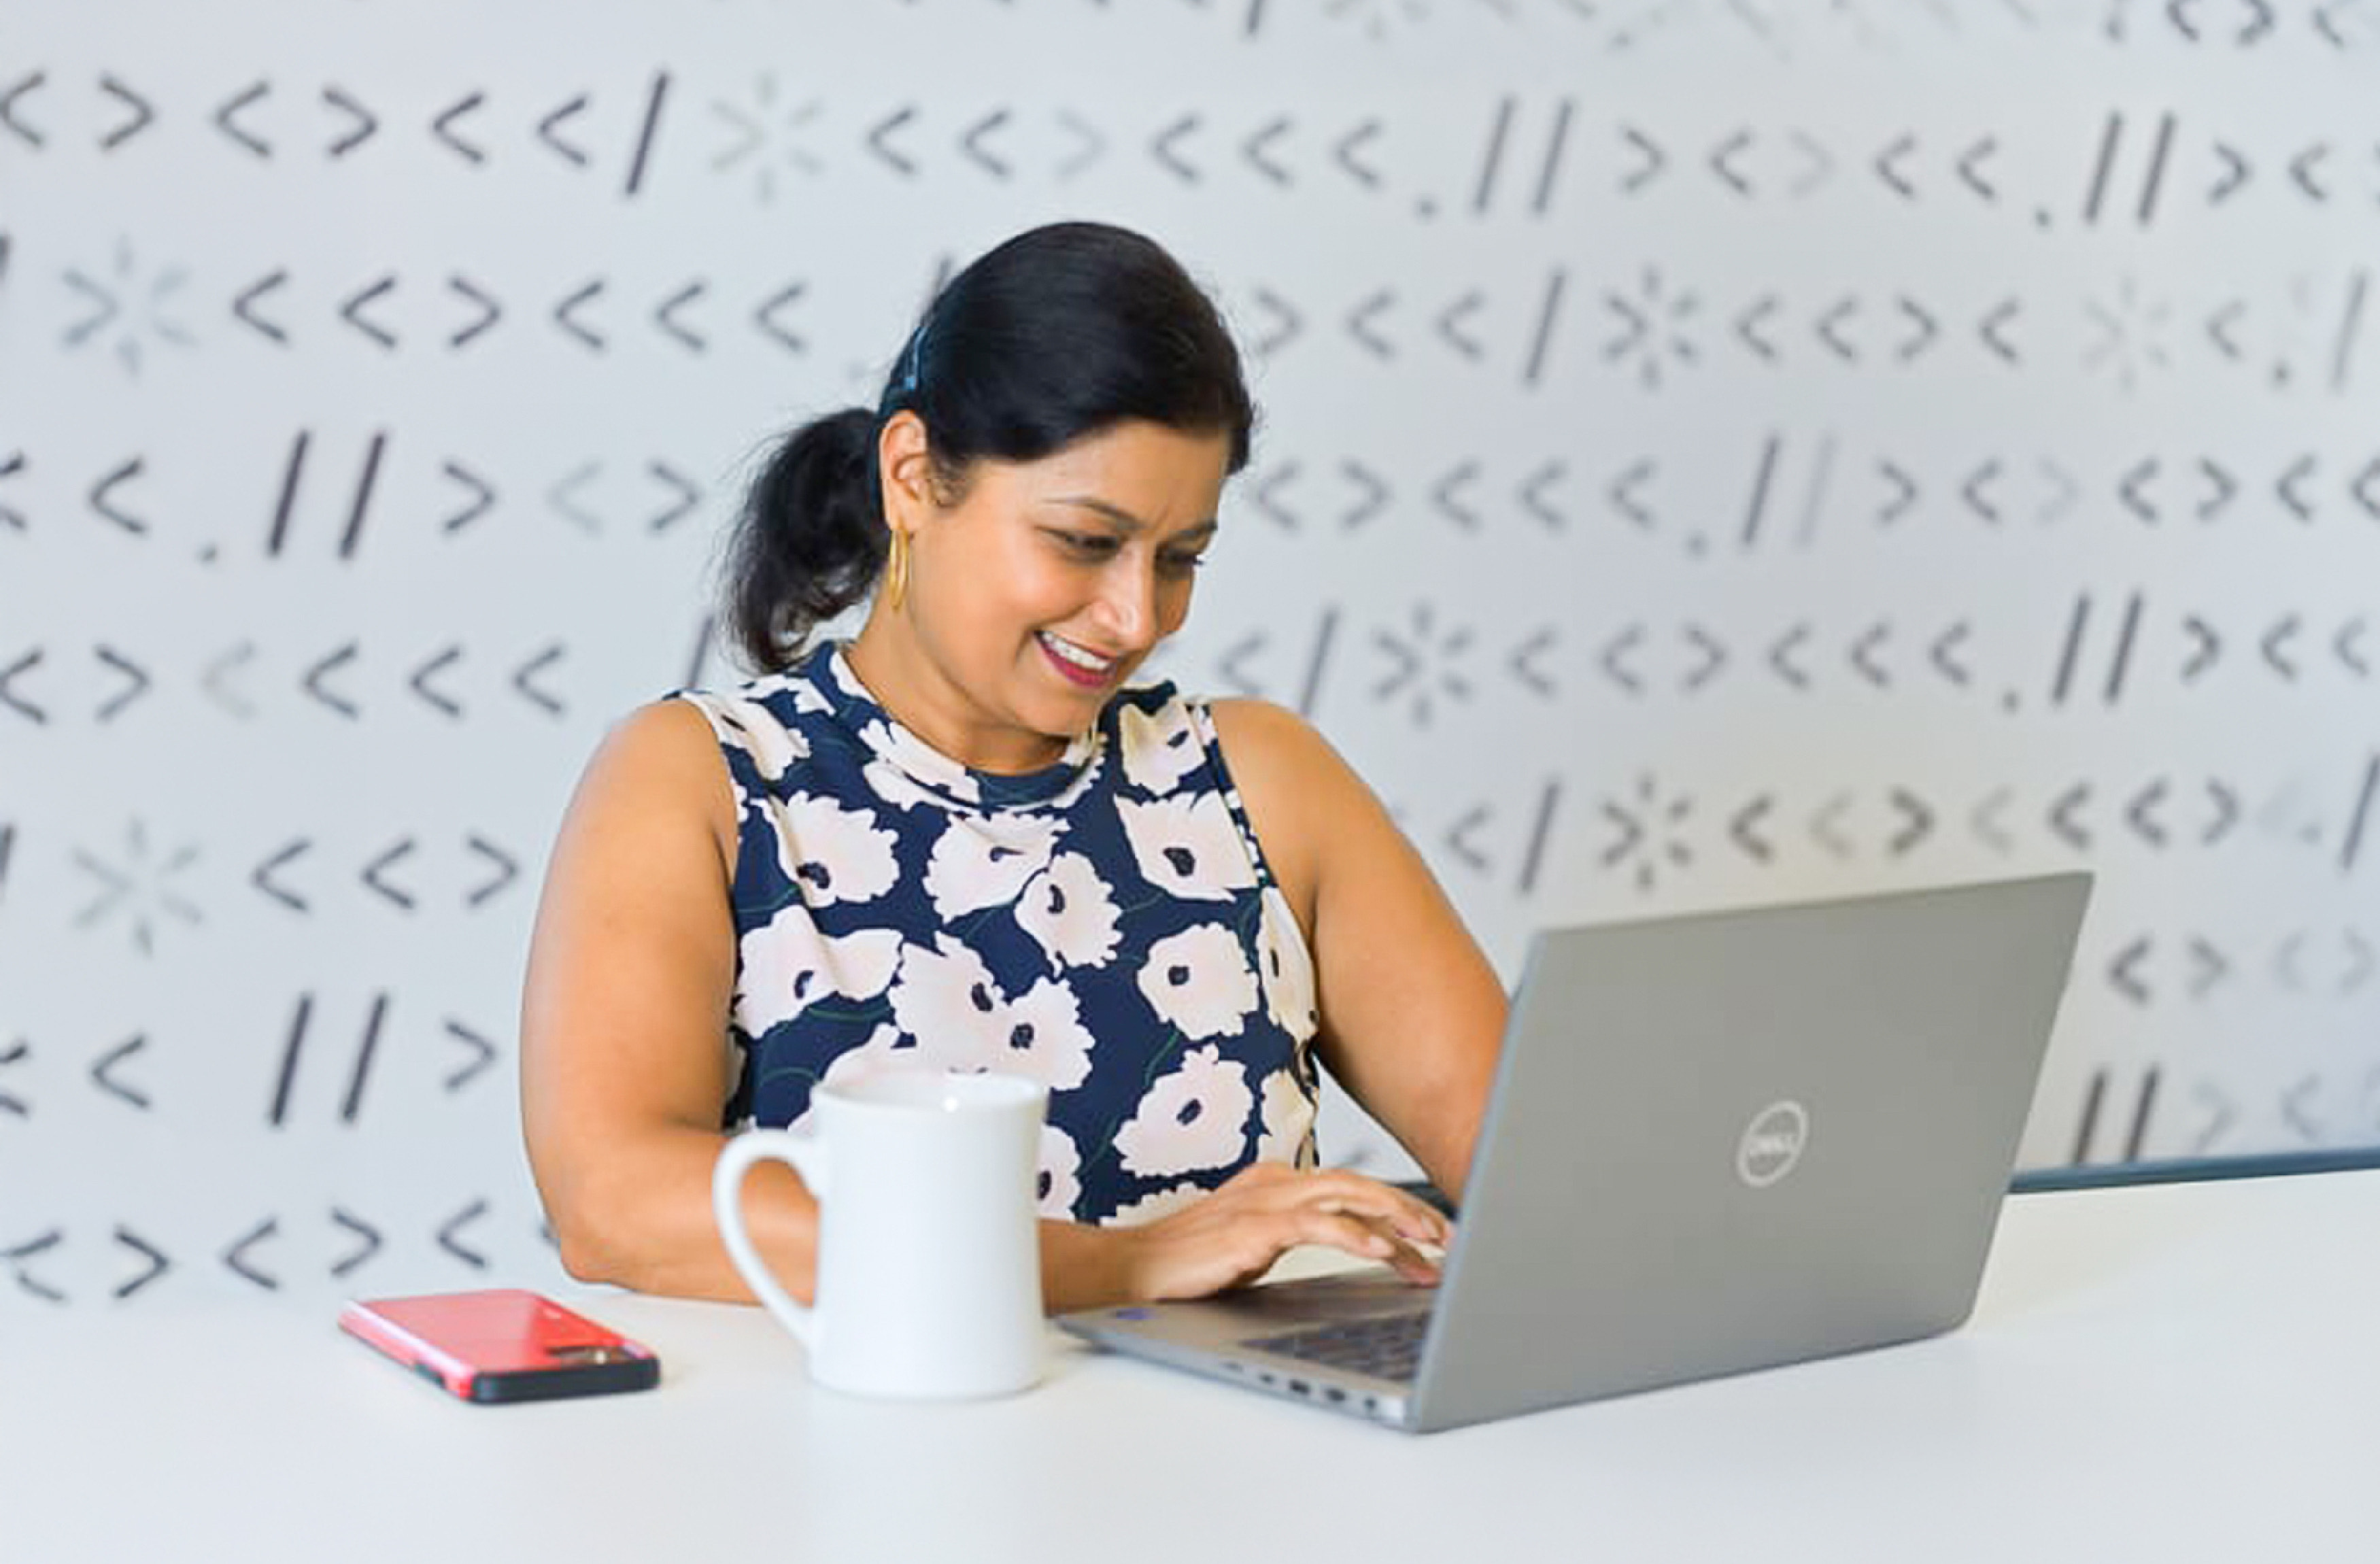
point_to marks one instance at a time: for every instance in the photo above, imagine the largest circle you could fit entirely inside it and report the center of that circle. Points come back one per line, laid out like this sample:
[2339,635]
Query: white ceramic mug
[928,1251]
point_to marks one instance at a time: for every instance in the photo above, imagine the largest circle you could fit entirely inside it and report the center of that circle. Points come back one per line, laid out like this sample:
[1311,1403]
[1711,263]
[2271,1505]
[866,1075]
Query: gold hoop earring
[896,571]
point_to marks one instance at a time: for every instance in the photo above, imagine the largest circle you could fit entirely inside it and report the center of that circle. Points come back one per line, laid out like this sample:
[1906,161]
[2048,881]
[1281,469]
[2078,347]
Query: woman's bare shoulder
[1277,758]
[661,761]
[1262,734]
[663,734]
[1304,802]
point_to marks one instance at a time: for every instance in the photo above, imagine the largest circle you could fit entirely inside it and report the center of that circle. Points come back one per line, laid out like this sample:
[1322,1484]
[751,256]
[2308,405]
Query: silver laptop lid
[1734,1139]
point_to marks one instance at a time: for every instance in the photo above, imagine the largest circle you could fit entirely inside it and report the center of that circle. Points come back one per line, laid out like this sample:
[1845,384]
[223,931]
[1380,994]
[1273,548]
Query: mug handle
[806,1156]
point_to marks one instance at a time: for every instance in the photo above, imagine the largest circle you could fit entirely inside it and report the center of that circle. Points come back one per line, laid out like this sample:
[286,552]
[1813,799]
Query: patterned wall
[1714,452]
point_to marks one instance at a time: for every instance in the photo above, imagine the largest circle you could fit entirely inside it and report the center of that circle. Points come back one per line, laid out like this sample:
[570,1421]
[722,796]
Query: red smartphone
[504,1344]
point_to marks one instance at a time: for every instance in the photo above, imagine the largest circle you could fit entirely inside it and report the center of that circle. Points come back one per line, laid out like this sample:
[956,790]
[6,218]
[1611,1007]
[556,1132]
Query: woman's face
[1035,594]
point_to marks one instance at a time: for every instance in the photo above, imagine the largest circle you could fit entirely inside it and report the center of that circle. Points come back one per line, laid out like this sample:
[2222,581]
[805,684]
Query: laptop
[1715,1143]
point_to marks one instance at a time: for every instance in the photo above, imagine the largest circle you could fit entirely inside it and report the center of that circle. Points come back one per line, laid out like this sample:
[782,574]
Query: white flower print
[1160,749]
[882,1054]
[1090,754]
[1186,845]
[833,853]
[1196,1116]
[894,785]
[1068,909]
[984,860]
[1286,1114]
[1058,1178]
[775,747]
[1047,1038]
[921,760]
[947,1000]
[1287,968]
[789,966]
[1198,980]
[808,697]
[1149,1208]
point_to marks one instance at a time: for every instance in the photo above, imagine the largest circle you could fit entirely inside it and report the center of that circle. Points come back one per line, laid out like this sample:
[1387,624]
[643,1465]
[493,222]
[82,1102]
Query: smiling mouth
[1079,667]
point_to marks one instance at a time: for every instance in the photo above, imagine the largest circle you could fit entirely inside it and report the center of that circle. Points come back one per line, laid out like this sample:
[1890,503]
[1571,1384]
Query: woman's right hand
[1232,1236]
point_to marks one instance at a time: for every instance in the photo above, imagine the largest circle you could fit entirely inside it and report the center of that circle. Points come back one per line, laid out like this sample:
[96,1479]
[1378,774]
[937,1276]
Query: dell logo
[1772,1144]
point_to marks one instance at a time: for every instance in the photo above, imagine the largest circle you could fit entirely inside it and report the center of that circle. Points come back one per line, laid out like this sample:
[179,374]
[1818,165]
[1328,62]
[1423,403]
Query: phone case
[506,1344]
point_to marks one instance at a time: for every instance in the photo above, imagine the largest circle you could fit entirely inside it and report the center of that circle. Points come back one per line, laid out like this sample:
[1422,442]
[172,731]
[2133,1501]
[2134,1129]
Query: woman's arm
[626,1067]
[1412,1012]
[625,1064]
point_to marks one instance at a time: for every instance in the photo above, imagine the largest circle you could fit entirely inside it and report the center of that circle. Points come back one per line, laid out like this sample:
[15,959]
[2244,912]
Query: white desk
[2168,1372]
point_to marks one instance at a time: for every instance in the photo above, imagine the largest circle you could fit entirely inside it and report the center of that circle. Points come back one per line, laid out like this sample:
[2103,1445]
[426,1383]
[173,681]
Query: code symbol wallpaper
[1713,452]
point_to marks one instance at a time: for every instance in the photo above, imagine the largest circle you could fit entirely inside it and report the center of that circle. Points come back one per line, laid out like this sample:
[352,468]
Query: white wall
[1713,453]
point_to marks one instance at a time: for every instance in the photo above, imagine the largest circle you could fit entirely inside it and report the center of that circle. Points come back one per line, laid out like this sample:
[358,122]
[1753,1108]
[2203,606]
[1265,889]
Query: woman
[962,841]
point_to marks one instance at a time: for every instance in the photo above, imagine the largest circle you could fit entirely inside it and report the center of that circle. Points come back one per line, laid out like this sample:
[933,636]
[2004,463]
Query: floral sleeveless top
[1106,924]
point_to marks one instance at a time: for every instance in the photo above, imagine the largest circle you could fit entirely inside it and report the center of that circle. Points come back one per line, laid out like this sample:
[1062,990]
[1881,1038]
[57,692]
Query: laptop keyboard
[1385,1346]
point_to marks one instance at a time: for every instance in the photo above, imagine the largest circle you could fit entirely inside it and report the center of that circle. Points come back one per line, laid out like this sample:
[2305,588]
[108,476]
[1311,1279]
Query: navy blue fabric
[1107,925]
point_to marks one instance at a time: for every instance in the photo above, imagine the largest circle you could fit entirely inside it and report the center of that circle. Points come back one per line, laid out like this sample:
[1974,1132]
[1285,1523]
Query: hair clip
[905,383]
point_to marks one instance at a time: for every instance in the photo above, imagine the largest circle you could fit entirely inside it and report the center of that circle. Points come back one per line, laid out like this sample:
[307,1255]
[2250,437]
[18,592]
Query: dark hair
[1060,333]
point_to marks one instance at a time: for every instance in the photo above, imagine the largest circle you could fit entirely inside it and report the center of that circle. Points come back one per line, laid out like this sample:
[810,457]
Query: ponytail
[811,540]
